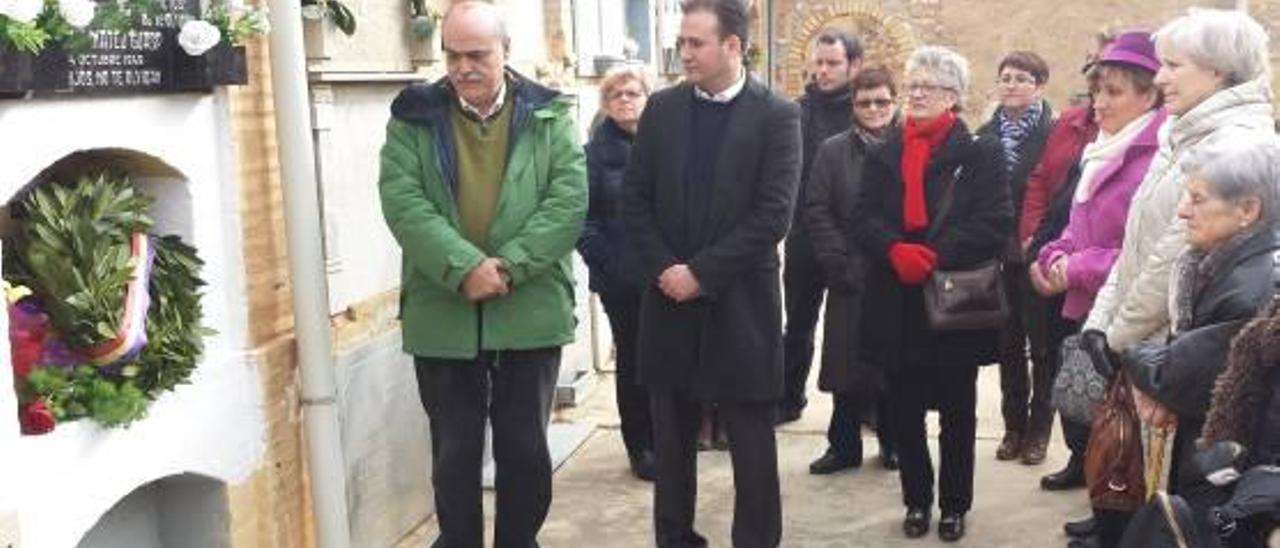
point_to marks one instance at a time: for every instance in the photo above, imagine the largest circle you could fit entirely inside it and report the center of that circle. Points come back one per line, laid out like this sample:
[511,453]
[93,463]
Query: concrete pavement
[598,503]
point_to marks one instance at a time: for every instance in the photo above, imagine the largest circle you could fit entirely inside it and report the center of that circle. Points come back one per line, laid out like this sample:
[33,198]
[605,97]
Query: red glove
[912,262]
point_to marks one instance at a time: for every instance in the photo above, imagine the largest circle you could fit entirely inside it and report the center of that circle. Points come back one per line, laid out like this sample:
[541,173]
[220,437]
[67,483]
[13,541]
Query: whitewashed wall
[212,427]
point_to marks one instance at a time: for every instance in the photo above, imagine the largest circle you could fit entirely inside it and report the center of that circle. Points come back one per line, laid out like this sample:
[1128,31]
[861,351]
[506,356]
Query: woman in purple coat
[1127,109]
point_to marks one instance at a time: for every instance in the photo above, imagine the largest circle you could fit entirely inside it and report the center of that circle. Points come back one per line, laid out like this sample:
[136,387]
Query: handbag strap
[945,204]
[1172,518]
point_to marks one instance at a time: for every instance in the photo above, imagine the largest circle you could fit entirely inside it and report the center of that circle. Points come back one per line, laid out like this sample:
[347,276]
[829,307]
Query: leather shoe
[1033,450]
[916,524]
[644,466]
[1081,528]
[1070,477]
[951,527]
[1010,446]
[831,462]
[889,459]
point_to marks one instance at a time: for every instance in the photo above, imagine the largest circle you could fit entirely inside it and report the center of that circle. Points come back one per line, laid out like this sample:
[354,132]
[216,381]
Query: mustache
[471,76]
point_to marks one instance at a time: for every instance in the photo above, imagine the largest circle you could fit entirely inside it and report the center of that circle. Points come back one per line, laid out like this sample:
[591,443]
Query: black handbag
[964,299]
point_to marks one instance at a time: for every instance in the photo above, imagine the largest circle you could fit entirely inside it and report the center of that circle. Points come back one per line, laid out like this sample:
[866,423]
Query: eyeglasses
[868,103]
[625,93]
[926,88]
[1016,80]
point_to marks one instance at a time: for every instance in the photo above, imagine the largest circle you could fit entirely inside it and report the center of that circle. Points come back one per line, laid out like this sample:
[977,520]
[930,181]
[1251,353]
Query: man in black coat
[707,197]
[826,109]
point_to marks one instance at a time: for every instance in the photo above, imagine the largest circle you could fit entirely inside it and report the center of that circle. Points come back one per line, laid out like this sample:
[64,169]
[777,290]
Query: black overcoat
[827,206]
[727,343]
[976,229]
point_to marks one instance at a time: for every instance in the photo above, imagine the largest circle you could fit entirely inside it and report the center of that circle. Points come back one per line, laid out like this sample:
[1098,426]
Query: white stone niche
[163,480]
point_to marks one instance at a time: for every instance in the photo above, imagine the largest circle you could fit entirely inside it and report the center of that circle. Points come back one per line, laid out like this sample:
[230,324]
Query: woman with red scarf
[894,223]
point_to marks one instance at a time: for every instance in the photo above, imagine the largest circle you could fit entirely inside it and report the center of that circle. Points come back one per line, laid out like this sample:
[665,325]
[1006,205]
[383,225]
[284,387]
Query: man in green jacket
[483,184]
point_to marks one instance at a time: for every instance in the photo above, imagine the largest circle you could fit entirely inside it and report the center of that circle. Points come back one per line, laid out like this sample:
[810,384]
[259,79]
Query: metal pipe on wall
[309,281]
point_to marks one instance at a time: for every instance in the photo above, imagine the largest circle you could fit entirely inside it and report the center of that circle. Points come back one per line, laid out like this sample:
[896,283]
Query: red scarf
[918,143]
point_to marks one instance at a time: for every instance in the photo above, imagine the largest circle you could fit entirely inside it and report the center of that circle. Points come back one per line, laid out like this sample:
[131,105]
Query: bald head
[476,17]
[475,44]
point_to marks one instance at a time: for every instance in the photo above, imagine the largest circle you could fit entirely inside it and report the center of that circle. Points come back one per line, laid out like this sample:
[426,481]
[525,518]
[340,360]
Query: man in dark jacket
[825,110]
[707,197]
[486,300]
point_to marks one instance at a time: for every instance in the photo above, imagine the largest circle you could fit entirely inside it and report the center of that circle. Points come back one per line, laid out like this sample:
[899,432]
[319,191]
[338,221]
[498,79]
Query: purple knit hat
[1132,48]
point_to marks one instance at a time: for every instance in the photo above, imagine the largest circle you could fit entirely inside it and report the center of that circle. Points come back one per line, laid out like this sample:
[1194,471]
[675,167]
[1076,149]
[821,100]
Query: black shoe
[1081,528]
[951,527]
[831,462]
[643,465]
[1070,477]
[889,459]
[916,524]
[1010,446]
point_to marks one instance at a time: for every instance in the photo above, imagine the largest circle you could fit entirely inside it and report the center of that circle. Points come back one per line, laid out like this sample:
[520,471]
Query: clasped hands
[487,280]
[679,283]
[1052,281]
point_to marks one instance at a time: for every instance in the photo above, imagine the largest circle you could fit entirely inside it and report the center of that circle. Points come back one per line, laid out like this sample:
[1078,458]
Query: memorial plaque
[143,59]
[135,60]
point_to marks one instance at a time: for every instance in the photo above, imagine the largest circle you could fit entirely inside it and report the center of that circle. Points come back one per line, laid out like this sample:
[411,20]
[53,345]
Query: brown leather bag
[1113,464]
[972,298]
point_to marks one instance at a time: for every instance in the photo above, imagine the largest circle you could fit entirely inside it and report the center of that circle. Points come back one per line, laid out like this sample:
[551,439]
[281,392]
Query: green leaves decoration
[74,252]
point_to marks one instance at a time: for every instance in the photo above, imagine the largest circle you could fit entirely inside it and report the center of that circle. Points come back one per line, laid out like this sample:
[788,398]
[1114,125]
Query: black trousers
[1024,395]
[1187,481]
[514,391]
[757,507]
[953,391]
[844,432]
[623,308]
[803,284]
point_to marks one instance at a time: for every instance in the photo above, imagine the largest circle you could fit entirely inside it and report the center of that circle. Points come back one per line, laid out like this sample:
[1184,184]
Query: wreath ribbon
[132,336]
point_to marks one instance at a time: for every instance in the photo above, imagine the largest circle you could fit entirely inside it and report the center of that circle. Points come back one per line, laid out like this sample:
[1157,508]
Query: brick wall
[272,508]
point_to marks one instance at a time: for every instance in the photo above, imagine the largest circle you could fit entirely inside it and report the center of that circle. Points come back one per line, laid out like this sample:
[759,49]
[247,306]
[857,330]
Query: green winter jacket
[539,215]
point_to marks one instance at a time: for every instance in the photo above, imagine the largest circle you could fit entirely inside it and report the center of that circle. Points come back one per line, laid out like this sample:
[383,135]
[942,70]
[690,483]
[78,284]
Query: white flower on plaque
[197,37]
[22,11]
[78,13]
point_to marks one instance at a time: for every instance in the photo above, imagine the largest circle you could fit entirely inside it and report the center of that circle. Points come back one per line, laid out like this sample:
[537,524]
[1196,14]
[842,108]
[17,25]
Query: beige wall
[983,30]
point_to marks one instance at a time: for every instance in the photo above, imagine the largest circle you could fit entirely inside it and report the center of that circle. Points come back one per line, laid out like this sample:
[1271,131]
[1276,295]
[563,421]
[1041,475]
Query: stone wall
[982,30]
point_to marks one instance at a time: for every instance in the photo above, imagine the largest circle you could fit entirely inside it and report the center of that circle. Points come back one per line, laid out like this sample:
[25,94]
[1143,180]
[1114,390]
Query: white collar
[728,94]
[493,109]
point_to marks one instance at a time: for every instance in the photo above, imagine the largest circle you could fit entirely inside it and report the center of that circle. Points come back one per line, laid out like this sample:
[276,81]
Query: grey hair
[949,68]
[1227,41]
[1236,172]
[499,22]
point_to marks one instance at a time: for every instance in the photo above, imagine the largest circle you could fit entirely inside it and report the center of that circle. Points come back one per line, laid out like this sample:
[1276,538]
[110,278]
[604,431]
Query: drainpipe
[307,275]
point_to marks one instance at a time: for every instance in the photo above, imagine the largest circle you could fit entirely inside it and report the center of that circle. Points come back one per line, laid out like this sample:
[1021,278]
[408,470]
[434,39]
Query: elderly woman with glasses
[896,226]
[603,247]
[1217,285]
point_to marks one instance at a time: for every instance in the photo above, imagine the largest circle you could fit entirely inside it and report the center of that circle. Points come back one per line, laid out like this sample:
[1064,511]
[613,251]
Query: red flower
[36,418]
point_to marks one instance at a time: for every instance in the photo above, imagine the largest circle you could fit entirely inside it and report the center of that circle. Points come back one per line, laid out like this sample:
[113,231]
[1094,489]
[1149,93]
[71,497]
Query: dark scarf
[1015,132]
[870,138]
[918,143]
[1196,269]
